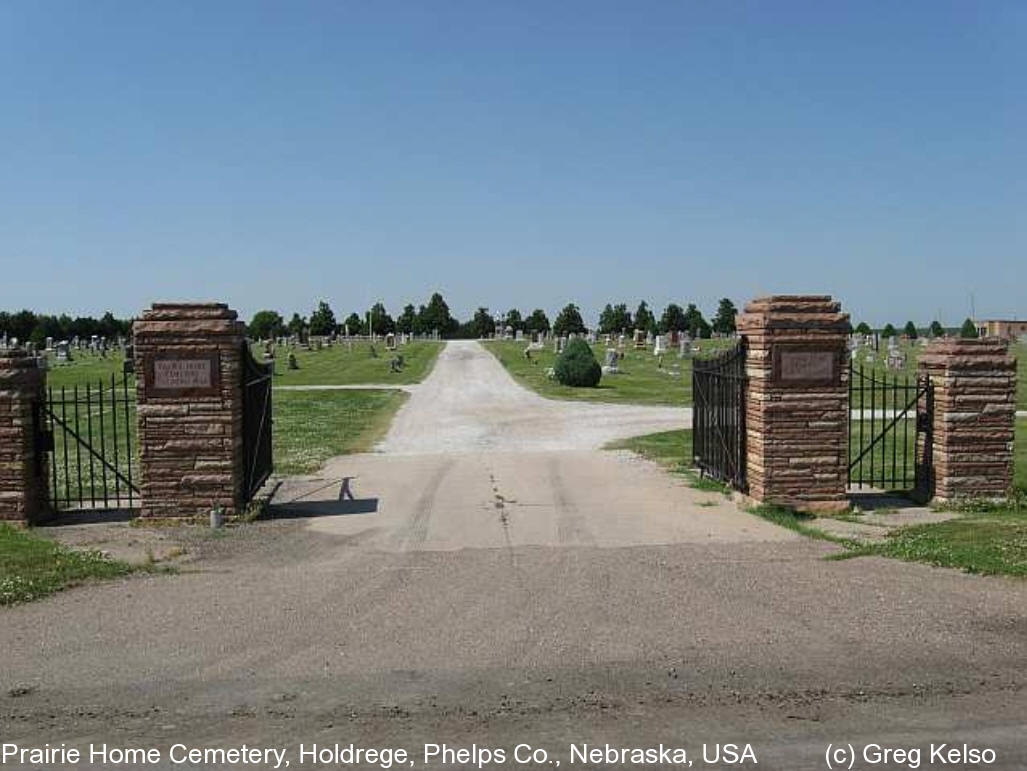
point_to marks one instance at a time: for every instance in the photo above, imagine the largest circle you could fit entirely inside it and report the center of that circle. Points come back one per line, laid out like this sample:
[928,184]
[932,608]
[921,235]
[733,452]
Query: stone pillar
[189,391]
[797,401]
[23,464]
[974,417]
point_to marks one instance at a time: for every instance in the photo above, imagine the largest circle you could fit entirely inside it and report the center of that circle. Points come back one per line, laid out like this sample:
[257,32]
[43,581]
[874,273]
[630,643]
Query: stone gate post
[974,417]
[797,401]
[23,465]
[189,393]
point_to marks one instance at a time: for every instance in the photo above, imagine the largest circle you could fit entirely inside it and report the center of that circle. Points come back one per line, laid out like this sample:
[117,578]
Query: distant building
[1009,330]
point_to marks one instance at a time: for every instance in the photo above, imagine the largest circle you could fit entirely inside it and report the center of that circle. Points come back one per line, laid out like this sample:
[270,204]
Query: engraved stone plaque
[182,374]
[800,365]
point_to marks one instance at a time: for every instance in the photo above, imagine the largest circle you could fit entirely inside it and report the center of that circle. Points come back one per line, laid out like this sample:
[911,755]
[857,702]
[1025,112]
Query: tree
[697,325]
[436,316]
[969,329]
[381,321]
[267,325]
[673,319]
[296,325]
[644,318]
[537,322]
[22,324]
[419,328]
[577,365]
[405,322]
[569,321]
[888,331]
[724,321]
[110,327]
[936,330]
[910,330]
[514,320]
[863,328]
[354,325]
[482,325]
[615,319]
[322,320]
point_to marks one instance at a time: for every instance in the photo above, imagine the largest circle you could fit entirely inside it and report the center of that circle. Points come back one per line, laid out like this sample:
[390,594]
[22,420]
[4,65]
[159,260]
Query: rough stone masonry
[23,465]
[797,401]
[189,392]
[974,417]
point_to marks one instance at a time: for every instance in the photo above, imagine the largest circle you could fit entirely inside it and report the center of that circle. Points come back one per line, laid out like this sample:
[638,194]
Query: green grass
[354,364]
[640,381]
[86,368]
[1020,456]
[1019,350]
[108,427]
[673,451]
[988,543]
[798,522]
[312,426]
[913,350]
[885,457]
[670,449]
[32,567]
[342,364]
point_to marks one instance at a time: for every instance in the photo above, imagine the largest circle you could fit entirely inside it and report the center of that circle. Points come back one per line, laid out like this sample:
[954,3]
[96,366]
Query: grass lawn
[355,364]
[312,426]
[640,381]
[986,539]
[33,567]
[671,449]
[341,364]
[913,350]
[86,368]
[1019,350]
[989,542]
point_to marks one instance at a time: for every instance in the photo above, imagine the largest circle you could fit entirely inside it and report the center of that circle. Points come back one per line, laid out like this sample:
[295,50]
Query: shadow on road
[302,509]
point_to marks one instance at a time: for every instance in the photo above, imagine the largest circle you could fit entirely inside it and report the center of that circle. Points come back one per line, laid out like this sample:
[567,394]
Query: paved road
[474,591]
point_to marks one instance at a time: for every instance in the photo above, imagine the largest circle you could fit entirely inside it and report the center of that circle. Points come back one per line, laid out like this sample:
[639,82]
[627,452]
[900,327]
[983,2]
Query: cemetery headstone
[612,359]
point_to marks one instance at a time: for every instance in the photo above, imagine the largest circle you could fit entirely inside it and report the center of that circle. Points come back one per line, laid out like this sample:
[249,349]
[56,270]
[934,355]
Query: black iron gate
[890,432]
[256,423]
[718,427]
[87,431]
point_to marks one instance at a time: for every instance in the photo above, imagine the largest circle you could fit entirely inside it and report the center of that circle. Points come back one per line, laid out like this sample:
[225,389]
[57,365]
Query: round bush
[577,366]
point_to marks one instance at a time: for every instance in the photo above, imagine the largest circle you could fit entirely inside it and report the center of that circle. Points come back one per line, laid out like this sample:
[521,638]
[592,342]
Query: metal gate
[890,432]
[718,426]
[87,431]
[256,422]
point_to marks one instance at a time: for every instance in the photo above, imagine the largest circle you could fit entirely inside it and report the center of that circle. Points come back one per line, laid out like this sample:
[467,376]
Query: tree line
[27,326]
[435,316]
[910,330]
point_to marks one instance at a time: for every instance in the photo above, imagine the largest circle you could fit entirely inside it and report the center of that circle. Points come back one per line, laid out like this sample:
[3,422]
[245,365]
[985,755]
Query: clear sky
[514,154]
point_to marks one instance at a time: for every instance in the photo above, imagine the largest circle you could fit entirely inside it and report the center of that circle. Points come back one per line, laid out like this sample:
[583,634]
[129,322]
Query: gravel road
[490,578]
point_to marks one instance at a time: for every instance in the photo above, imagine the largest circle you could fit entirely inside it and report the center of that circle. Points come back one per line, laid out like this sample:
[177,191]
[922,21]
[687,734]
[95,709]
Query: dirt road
[491,579]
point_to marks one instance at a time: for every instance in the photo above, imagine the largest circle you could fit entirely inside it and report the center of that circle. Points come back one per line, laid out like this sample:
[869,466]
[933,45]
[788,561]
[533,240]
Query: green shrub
[577,366]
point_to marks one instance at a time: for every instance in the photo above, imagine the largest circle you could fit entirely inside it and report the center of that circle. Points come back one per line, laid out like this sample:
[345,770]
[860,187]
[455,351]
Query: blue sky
[514,154]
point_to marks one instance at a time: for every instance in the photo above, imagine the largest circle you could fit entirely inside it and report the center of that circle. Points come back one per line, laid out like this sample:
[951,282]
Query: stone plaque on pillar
[189,392]
[171,374]
[803,365]
[797,401]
